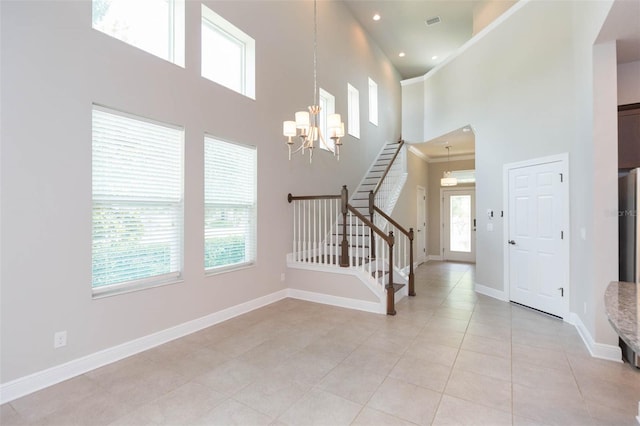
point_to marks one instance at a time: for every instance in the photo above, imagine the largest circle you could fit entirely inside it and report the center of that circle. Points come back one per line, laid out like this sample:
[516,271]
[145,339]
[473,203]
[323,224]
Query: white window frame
[175,29]
[247,45]
[327,104]
[464,176]
[353,107]
[146,186]
[373,102]
[226,180]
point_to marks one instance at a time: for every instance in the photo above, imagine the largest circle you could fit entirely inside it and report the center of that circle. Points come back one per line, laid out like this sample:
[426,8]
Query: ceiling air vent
[432,21]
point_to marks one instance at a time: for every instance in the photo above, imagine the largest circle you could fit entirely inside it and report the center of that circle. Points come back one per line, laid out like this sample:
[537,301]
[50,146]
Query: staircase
[356,236]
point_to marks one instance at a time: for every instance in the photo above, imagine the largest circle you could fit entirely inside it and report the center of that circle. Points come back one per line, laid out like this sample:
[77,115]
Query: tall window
[228,54]
[155,26]
[230,205]
[137,184]
[327,104]
[353,106]
[373,102]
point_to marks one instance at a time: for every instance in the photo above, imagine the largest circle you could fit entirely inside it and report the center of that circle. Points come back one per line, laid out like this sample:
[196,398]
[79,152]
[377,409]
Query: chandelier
[307,123]
[447,179]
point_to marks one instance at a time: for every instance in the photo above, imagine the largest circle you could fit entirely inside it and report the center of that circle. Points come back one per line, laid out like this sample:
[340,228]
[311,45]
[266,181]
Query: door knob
[513,243]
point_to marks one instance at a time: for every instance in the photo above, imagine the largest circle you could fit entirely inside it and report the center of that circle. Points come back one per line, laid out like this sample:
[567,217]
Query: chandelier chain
[315,52]
[307,123]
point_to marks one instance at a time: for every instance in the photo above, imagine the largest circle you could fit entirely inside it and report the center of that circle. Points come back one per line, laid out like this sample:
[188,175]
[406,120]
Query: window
[353,105]
[464,176]
[373,102]
[327,104]
[155,26]
[228,54]
[229,205]
[137,198]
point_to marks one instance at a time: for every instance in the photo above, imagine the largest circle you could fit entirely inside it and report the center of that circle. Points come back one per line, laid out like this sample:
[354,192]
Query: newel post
[391,293]
[372,236]
[344,245]
[412,289]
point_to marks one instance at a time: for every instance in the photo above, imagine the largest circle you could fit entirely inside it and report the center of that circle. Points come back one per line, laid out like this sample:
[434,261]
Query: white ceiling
[623,25]
[461,143]
[402,28]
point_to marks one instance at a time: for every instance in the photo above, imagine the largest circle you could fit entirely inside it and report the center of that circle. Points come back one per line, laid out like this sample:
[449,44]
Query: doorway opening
[458,237]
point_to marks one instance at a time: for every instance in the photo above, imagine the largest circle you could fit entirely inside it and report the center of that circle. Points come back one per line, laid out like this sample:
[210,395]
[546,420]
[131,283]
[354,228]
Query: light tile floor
[449,356]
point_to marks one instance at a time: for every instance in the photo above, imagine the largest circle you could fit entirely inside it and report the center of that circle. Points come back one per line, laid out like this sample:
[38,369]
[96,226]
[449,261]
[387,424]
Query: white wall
[605,184]
[406,210]
[528,93]
[54,66]
[629,83]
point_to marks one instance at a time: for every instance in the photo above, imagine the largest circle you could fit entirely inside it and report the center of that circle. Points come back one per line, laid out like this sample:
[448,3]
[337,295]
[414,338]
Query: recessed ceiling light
[376,17]
[401,54]
[466,129]
[434,57]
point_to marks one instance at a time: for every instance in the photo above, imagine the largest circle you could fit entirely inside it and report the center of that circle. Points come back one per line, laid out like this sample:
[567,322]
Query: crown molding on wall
[415,151]
[453,158]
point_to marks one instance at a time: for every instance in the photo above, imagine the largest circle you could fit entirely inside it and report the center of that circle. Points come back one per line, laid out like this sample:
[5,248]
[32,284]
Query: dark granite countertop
[622,303]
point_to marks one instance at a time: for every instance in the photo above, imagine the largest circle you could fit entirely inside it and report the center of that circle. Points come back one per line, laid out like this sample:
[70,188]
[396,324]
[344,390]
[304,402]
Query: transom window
[137,187]
[155,26]
[327,104]
[373,102]
[230,205]
[353,106]
[228,54]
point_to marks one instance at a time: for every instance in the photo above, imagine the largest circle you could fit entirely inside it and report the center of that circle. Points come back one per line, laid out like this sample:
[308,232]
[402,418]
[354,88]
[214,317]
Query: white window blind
[137,183]
[230,205]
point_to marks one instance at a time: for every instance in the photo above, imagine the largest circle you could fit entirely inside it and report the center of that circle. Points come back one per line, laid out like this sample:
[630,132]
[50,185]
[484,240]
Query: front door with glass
[458,225]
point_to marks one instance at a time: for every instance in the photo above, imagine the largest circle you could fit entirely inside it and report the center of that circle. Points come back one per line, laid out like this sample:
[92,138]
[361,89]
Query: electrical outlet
[282,277]
[60,339]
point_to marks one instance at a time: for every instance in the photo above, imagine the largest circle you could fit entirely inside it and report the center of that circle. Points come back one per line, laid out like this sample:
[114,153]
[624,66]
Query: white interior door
[421,223]
[537,244]
[458,219]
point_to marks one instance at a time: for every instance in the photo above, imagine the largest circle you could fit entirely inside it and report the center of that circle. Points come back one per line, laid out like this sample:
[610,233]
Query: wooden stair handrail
[409,234]
[388,238]
[373,227]
[291,198]
[386,171]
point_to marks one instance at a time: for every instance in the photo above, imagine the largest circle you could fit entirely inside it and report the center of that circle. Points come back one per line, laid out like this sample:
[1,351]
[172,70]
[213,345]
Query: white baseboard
[42,379]
[342,302]
[491,292]
[434,257]
[597,350]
